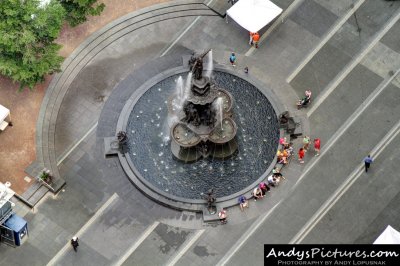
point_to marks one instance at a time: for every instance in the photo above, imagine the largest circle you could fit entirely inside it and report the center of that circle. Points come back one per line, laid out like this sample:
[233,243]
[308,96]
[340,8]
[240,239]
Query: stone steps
[45,136]
[34,194]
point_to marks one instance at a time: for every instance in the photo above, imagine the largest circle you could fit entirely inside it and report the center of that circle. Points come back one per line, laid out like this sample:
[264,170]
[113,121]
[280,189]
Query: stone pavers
[343,45]
[332,113]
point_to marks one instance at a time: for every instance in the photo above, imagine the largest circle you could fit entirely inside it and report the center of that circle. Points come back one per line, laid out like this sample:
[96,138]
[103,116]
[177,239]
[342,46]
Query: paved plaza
[346,51]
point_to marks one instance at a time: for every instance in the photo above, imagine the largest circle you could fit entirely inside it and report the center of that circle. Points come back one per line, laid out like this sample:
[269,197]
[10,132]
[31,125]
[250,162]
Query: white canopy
[253,15]
[4,112]
[389,236]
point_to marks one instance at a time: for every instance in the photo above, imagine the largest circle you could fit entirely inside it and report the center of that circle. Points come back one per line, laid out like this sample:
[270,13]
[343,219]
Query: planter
[46,177]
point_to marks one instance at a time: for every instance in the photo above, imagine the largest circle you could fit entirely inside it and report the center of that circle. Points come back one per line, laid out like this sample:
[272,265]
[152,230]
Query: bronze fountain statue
[205,127]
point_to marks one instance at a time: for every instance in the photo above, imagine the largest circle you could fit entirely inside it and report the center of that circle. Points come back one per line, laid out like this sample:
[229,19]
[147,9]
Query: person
[303,102]
[306,143]
[246,70]
[222,215]
[75,243]
[308,94]
[301,155]
[243,202]
[273,181]
[257,193]
[367,161]
[283,142]
[277,173]
[256,39]
[285,153]
[281,156]
[289,149]
[251,38]
[306,100]
[264,188]
[317,146]
[232,59]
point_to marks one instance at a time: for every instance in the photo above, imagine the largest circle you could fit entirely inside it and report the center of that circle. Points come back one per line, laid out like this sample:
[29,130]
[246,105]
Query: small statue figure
[284,118]
[122,138]
[209,118]
[210,199]
[198,68]
[203,149]
[192,115]
[196,65]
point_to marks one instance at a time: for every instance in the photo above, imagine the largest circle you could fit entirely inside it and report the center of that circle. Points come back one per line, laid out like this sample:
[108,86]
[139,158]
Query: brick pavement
[18,143]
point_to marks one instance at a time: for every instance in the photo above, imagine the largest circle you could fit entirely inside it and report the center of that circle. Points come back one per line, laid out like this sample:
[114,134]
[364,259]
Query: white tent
[4,113]
[253,15]
[389,236]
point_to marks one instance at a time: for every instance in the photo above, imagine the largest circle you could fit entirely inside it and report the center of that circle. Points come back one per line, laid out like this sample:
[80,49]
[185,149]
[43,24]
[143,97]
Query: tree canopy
[27,34]
[78,10]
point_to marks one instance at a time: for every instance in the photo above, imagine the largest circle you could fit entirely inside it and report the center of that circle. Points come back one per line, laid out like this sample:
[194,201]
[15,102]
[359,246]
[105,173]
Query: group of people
[262,189]
[283,155]
[254,39]
[285,152]
[275,178]
[306,146]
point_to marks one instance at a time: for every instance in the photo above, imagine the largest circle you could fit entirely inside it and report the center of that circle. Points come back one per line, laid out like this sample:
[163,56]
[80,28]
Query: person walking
[232,59]
[367,161]
[317,146]
[75,243]
[301,155]
[306,143]
[256,39]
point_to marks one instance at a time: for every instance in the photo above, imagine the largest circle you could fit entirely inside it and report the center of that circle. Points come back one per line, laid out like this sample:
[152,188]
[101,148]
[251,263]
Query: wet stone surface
[149,142]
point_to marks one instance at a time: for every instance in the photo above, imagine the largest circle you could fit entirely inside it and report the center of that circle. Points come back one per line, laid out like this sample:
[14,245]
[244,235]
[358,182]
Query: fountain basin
[225,132]
[149,161]
[184,136]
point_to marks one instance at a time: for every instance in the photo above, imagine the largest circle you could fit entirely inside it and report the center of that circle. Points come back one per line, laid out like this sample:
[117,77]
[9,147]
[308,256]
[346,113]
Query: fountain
[205,127]
[210,65]
[185,134]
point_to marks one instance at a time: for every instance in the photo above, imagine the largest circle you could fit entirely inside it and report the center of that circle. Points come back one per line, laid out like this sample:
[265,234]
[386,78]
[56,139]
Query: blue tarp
[15,223]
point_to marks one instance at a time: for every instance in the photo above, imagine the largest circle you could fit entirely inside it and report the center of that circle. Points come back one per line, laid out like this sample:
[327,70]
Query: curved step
[45,139]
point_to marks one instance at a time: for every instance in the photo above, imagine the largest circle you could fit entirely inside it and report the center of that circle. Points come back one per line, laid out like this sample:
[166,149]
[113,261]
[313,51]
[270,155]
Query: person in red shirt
[317,146]
[256,39]
[301,155]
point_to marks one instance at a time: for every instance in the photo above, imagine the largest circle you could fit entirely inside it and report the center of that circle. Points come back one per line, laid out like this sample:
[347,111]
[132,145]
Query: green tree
[78,10]
[27,33]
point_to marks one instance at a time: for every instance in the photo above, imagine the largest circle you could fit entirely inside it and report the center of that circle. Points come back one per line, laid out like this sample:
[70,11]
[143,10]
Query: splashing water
[219,105]
[188,84]
[180,90]
[168,123]
[210,66]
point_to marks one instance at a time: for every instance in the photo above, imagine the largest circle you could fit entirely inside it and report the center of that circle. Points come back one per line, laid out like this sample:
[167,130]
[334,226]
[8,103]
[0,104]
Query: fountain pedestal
[206,127]
[201,86]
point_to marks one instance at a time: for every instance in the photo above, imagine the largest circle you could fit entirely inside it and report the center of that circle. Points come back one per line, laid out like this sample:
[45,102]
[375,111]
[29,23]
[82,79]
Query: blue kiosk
[13,229]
